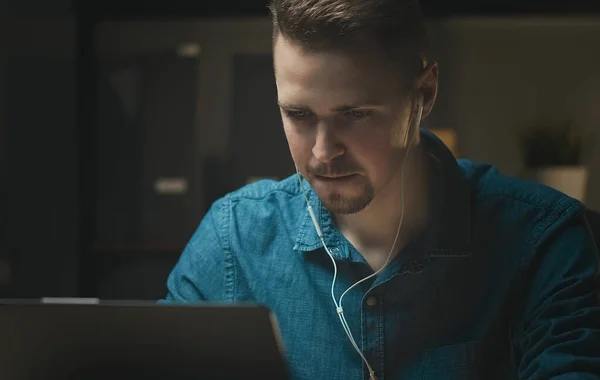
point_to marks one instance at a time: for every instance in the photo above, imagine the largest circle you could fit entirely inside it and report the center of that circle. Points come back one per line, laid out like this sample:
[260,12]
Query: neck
[373,230]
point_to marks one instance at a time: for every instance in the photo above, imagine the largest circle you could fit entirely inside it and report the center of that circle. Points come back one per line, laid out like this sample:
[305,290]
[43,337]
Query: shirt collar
[307,238]
[450,228]
[451,195]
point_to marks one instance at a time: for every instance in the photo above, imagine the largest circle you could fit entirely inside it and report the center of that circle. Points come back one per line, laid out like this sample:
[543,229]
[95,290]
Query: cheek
[300,147]
[375,153]
[376,159]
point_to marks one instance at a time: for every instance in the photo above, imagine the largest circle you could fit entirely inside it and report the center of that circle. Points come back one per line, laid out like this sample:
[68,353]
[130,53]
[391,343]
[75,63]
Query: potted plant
[553,156]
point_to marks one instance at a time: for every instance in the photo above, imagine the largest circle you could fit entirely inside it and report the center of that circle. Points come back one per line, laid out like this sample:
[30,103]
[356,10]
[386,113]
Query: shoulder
[265,194]
[266,188]
[529,209]
[263,201]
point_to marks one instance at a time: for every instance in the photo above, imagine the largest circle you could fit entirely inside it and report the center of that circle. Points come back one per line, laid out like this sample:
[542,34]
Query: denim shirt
[502,285]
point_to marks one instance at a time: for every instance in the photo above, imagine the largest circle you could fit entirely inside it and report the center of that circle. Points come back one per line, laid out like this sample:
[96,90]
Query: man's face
[345,116]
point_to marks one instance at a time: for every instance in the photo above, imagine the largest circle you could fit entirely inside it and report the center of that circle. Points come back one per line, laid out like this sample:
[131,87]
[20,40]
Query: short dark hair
[397,25]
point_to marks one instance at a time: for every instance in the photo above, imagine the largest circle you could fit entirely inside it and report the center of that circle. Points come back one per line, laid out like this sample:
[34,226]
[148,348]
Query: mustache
[333,169]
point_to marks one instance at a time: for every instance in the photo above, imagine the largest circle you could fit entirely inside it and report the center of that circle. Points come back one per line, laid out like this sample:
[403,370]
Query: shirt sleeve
[200,273]
[559,335]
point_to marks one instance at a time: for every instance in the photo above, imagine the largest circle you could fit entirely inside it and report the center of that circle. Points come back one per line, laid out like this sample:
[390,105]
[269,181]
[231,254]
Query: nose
[327,146]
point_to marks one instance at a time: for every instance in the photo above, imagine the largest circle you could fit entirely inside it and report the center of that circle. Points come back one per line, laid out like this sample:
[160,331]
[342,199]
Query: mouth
[335,179]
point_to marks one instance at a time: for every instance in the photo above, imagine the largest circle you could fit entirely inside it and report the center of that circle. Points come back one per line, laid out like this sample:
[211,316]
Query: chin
[346,204]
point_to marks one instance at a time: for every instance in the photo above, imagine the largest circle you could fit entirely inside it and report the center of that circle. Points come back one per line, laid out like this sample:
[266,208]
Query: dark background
[432,8]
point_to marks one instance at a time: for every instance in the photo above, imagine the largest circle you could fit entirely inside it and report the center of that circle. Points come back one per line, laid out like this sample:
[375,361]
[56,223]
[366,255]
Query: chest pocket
[454,362]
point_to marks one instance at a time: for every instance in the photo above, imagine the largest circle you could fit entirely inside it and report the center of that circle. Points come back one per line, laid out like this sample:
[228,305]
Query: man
[407,264]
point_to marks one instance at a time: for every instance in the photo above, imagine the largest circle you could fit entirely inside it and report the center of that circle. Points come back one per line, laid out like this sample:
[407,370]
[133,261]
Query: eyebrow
[342,108]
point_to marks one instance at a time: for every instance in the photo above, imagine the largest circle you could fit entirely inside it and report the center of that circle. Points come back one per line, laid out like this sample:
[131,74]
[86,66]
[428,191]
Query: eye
[359,114]
[297,114]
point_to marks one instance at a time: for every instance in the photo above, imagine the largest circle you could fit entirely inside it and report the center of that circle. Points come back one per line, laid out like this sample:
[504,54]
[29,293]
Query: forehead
[356,70]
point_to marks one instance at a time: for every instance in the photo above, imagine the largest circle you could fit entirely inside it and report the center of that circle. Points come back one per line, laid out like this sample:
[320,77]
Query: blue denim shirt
[503,284]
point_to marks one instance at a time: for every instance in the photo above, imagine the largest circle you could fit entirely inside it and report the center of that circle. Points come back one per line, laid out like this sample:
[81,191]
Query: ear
[427,84]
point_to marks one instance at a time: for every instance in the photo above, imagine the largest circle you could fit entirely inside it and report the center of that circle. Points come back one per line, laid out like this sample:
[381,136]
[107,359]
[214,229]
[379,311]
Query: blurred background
[121,121]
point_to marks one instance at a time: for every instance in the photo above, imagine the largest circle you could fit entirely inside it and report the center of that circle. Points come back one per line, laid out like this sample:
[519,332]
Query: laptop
[123,340]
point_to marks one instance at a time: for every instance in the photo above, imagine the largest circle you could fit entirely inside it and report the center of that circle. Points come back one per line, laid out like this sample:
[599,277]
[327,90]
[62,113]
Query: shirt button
[372,301]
